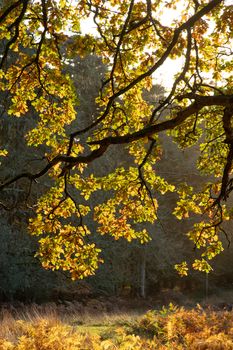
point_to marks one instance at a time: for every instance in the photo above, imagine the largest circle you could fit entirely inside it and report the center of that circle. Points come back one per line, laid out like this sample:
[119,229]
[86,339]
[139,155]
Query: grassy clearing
[169,328]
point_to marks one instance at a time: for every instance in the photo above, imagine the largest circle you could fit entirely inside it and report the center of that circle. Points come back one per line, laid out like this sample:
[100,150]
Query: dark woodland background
[130,269]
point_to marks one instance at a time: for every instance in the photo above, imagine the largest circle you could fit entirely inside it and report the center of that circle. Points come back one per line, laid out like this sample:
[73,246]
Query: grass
[169,328]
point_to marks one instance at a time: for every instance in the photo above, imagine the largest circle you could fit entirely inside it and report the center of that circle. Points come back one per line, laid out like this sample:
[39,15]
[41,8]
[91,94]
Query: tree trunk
[143,274]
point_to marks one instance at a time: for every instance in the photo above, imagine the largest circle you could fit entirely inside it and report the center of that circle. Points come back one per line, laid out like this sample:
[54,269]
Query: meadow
[169,327]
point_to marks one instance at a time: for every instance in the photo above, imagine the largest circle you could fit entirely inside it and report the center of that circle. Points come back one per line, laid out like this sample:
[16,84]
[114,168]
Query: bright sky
[164,75]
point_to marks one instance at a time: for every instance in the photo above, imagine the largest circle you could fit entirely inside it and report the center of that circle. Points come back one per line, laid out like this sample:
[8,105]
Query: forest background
[131,269]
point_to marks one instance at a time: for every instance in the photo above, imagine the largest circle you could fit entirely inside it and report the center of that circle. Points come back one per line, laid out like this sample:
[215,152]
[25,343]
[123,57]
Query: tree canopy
[135,39]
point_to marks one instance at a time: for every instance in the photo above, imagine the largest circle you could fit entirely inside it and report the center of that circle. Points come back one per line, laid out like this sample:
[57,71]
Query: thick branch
[10,9]
[200,102]
[226,186]
[67,160]
[70,162]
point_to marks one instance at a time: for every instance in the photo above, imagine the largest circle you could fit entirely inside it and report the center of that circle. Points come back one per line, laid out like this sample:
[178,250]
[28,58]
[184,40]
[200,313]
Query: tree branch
[70,162]
[200,102]
[185,26]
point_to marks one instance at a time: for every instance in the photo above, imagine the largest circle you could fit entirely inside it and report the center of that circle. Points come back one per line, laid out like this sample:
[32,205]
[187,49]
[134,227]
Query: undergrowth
[169,328]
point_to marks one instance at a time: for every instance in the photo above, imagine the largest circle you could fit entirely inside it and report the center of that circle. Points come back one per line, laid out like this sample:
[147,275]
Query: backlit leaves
[40,38]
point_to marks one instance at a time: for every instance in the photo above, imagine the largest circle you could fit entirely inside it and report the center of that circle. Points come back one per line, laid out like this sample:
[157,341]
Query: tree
[133,41]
